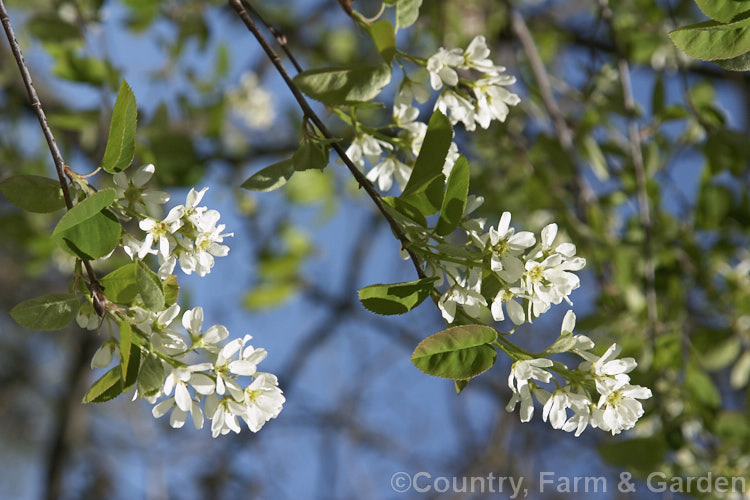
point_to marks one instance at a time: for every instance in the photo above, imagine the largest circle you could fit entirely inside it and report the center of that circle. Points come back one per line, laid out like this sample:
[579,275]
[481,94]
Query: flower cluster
[252,104]
[614,406]
[190,371]
[188,234]
[471,102]
[539,274]
[215,383]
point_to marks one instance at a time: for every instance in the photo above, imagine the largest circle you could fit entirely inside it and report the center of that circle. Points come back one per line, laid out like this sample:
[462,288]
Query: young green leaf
[171,290]
[723,10]
[460,385]
[310,156]
[33,193]
[130,354]
[119,285]
[454,201]
[149,287]
[396,298]
[344,85]
[403,209]
[425,187]
[93,238]
[151,376]
[121,141]
[85,210]
[564,343]
[407,12]
[271,177]
[739,63]
[108,386]
[458,353]
[50,312]
[384,36]
[713,40]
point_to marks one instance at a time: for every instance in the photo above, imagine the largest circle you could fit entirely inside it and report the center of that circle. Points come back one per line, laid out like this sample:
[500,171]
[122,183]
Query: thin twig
[60,165]
[310,114]
[562,130]
[644,210]
[277,34]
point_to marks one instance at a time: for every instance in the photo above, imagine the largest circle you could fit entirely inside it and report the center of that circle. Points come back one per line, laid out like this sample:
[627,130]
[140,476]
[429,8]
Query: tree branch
[644,211]
[310,114]
[60,165]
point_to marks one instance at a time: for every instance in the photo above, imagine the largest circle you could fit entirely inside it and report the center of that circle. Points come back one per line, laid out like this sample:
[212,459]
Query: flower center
[501,247]
[536,273]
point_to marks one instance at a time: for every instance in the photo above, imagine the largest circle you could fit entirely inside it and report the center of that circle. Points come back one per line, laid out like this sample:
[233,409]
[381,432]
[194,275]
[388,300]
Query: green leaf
[458,353]
[407,12]
[402,208]
[109,386]
[425,187]
[454,201]
[723,10]
[119,285]
[149,287]
[739,63]
[171,290]
[702,388]
[33,193]
[50,312]
[130,355]
[713,40]
[94,237]
[596,158]
[271,177]
[384,36]
[151,376]
[85,210]
[396,298]
[460,385]
[344,85]
[657,96]
[310,156]
[121,141]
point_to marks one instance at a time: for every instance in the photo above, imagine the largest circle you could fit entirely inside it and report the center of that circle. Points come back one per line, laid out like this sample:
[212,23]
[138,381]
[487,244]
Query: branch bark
[313,117]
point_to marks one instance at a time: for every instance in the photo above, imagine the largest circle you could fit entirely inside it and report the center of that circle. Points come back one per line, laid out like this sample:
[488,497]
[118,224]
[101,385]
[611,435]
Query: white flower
[515,310]
[103,356]
[457,108]
[87,317]
[178,417]
[506,246]
[450,159]
[518,380]
[493,99]
[160,232]
[410,90]
[383,173]
[583,343]
[366,146]
[223,414]
[226,368]
[556,406]
[476,56]
[441,67]
[129,190]
[607,370]
[621,408]
[263,401]
[549,281]
[464,292]
[207,245]
[405,117]
[192,320]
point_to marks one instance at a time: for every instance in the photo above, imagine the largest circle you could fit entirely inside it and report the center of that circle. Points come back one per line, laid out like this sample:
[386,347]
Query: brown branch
[644,210]
[310,114]
[277,34]
[562,130]
[60,165]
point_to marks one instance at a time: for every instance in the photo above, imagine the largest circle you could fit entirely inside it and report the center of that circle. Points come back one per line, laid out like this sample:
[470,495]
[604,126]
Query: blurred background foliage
[640,154]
